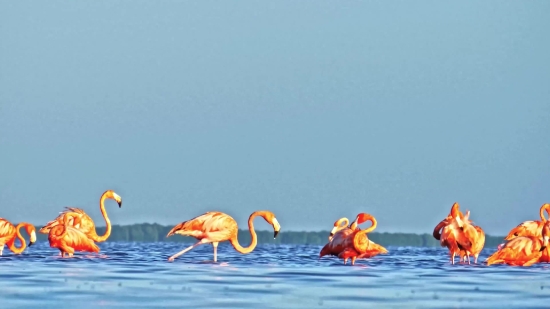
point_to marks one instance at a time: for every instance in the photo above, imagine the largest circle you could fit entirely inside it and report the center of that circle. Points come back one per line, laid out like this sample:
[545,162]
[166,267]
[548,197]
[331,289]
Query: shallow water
[128,275]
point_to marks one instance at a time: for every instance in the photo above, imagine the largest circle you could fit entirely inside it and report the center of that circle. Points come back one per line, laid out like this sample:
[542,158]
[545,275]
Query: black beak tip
[331,234]
[119,204]
[31,243]
[275,234]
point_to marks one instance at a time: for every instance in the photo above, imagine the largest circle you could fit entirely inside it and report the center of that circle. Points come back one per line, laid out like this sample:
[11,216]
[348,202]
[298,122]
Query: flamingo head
[363,217]
[31,230]
[112,195]
[270,218]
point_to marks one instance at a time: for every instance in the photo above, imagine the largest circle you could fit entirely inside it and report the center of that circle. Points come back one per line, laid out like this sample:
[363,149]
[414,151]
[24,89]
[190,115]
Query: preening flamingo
[448,232]
[471,238]
[215,227]
[354,243]
[86,224]
[9,232]
[523,250]
[530,228]
[69,239]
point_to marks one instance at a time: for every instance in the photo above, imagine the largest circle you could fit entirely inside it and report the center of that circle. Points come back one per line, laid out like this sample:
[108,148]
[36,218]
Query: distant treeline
[148,232]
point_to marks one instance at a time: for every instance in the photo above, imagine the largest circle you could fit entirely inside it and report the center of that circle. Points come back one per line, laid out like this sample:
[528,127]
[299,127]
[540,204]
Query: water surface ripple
[126,275]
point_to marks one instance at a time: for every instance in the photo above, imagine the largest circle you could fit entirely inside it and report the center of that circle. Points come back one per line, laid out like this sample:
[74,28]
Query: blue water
[127,275]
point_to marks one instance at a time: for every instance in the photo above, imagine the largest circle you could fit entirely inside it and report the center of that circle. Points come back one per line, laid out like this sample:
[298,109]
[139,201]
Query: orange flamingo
[69,239]
[530,228]
[337,237]
[86,224]
[471,238]
[215,227]
[8,234]
[353,243]
[451,232]
[523,250]
[358,245]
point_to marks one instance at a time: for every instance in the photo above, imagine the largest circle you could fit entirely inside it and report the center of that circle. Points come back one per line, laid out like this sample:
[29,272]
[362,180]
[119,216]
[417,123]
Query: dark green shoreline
[148,232]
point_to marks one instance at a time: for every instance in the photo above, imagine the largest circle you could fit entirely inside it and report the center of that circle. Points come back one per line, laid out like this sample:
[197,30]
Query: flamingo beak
[30,244]
[275,233]
[119,204]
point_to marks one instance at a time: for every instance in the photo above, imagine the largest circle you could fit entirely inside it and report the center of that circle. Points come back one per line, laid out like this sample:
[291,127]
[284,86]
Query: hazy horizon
[314,111]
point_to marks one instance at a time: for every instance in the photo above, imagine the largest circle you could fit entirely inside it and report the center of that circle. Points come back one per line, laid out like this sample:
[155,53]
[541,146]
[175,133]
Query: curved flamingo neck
[542,209]
[235,241]
[437,230]
[361,236]
[107,233]
[339,226]
[12,246]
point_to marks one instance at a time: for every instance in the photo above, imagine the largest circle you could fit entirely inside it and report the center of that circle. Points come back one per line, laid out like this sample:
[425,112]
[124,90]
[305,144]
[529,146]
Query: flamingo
[353,243]
[86,224]
[448,231]
[358,245]
[471,238]
[530,228]
[523,250]
[69,239]
[9,232]
[215,227]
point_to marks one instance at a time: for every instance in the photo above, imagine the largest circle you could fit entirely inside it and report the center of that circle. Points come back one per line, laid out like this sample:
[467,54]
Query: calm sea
[128,275]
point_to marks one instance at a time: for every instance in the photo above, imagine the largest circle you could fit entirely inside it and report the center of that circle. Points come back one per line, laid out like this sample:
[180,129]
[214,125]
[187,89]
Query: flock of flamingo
[73,230]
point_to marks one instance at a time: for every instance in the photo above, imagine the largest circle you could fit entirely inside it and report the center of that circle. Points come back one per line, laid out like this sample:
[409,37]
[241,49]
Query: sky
[314,110]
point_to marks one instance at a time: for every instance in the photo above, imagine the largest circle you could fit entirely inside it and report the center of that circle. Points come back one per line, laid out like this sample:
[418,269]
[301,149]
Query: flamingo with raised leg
[9,232]
[215,227]
[86,224]
[69,239]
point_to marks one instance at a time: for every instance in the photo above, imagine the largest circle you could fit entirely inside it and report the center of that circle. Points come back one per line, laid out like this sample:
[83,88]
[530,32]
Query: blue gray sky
[312,109]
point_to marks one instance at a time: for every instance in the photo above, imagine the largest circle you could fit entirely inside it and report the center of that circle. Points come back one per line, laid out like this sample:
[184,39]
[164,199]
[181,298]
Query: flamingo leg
[353,260]
[215,245]
[452,258]
[469,259]
[171,259]
[1,249]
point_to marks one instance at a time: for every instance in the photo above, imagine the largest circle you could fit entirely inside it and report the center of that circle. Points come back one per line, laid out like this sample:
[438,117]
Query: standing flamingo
[448,231]
[86,224]
[523,250]
[358,246]
[530,228]
[471,238]
[353,243]
[215,227]
[8,234]
[69,239]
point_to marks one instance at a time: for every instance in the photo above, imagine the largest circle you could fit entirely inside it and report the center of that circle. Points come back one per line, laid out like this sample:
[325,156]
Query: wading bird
[448,231]
[353,243]
[471,238]
[69,239]
[86,224]
[215,227]
[9,232]
[523,250]
[530,228]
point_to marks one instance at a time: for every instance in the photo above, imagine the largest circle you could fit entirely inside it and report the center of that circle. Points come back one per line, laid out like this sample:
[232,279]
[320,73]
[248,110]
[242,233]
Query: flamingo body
[69,239]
